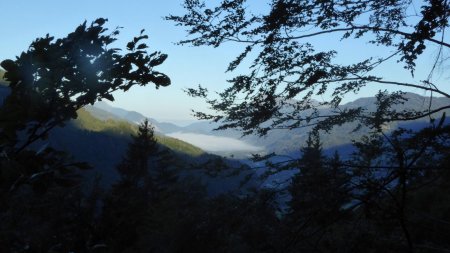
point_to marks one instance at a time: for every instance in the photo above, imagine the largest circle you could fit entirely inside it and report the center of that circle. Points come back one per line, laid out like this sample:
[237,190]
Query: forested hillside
[2,73]
[79,178]
[286,141]
[86,121]
[103,143]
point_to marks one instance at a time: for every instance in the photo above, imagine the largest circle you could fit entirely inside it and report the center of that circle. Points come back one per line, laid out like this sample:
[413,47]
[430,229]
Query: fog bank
[211,143]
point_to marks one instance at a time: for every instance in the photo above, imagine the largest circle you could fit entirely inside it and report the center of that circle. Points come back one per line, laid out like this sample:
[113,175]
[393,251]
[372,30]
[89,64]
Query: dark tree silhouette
[286,71]
[54,78]
[320,199]
[149,209]
[40,188]
[130,198]
[135,166]
[390,170]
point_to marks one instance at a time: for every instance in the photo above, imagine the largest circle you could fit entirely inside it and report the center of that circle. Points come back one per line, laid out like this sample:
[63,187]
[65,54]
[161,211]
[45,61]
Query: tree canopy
[281,72]
[49,82]
[40,187]
[54,78]
[286,71]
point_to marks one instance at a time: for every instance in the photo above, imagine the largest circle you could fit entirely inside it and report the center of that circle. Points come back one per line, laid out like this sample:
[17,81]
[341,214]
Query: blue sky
[24,20]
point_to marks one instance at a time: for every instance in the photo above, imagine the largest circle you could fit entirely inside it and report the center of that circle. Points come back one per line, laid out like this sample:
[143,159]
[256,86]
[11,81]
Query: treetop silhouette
[286,71]
[54,78]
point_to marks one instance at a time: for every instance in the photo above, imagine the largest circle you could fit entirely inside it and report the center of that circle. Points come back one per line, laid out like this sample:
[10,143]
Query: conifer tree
[311,165]
[319,193]
[135,166]
[126,205]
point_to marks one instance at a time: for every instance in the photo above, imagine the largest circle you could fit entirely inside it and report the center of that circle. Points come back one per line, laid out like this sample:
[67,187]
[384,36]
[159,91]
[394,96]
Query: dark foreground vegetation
[391,195]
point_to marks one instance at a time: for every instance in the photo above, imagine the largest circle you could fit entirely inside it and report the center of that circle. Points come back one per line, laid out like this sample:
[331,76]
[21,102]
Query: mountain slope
[104,110]
[87,121]
[284,141]
[2,81]
[279,141]
[103,143]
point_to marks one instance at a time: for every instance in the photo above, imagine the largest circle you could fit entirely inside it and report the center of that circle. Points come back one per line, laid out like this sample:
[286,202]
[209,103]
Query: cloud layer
[211,143]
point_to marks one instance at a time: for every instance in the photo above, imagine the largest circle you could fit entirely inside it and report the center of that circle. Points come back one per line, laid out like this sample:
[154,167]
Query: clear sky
[24,20]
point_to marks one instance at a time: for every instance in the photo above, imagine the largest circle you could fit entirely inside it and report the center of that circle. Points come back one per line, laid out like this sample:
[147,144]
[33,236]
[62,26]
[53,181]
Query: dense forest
[75,178]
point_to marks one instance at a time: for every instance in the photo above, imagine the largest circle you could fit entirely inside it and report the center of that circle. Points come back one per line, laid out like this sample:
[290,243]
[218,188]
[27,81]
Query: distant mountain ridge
[197,133]
[280,141]
[87,121]
[103,110]
[102,132]
[103,142]
[288,141]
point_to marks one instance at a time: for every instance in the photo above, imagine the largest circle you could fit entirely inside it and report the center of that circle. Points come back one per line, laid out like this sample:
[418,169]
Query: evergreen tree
[310,177]
[149,208]
[135,166]
[319,193]
[129,200]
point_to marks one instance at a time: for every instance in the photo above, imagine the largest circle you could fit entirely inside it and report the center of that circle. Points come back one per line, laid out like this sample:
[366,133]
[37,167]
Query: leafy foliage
[55,78]
[391,196]
[48,84]
[286,71]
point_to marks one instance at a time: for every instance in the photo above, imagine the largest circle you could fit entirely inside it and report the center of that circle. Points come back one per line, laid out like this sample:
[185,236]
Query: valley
[225,126]
[231,142]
